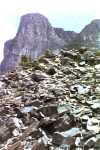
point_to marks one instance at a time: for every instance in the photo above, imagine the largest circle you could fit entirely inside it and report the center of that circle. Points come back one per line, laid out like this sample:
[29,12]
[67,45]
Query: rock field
[52,104]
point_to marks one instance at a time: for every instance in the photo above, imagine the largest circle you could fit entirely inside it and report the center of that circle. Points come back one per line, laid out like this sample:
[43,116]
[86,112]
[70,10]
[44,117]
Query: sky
[68,14]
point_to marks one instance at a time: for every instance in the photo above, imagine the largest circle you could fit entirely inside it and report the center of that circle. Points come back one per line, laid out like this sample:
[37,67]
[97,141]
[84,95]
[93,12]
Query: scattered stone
[39,76]
[27,109]
[39,146]
[66,137]
[48,110]
[81,89]
[51,71]
[4,133]
[69,54]
[53,108]
[90,143]
[17,145]
[82,50]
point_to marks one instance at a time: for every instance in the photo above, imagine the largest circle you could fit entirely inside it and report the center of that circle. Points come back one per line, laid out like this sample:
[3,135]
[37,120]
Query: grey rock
[6,128]
[90,143]
[63,123]
[38,146]
[27,109]
[96,107]
[58,139]
[48,110]
[51,71]
[97,143]
[67,137]
[36,103]
[38,76]
[3,137]
[48,124]
[69,54]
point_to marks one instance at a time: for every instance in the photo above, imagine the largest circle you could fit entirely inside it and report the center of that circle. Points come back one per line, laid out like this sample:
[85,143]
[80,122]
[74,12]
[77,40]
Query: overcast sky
[68,14]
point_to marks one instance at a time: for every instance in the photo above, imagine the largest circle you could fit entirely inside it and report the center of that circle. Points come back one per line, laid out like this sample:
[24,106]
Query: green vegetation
[48,54]
[97,53]
[27,62]
[35,65]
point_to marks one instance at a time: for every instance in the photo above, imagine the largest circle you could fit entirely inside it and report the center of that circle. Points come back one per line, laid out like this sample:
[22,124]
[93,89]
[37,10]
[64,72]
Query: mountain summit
[35,34]
[88,37]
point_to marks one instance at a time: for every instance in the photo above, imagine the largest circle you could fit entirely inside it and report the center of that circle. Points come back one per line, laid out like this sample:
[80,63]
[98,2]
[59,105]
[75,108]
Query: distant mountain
[67,36]
[88,37]
[35,34]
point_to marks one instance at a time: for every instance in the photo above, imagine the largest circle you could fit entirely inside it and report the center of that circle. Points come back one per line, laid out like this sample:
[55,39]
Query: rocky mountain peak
[93,27]
[35,34]
[89,36]
[96,21]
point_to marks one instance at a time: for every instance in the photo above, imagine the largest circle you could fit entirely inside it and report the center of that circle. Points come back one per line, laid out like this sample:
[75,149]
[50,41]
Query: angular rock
[48,110]
[90,143]
[67,137]
[38,76]
[17,145]
[70,54]
[39,146]
[4,133]
[51,71]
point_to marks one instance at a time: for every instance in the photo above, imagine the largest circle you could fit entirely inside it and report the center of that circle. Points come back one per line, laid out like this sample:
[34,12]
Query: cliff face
[67,36]
[35,34]
[88,37]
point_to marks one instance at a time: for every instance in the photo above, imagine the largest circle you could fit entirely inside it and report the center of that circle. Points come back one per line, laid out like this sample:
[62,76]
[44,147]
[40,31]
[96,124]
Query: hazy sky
[69,14]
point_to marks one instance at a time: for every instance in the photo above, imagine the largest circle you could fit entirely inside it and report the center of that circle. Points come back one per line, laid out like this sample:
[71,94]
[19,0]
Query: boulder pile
[52,104]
